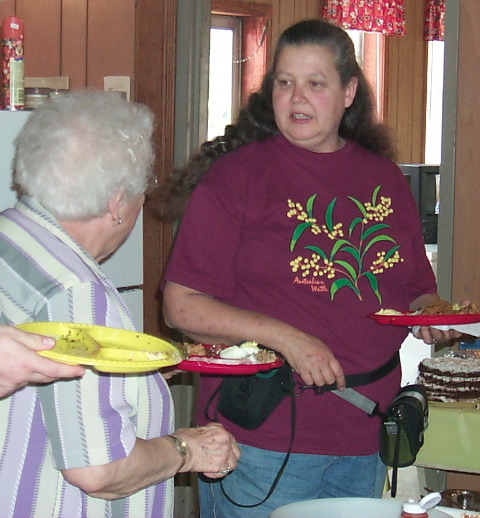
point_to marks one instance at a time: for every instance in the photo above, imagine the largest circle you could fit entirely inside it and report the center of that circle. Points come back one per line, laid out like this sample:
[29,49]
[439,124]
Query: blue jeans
[305,477]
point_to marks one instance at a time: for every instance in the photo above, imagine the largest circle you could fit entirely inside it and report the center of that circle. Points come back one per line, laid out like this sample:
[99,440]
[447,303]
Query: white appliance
[125,266]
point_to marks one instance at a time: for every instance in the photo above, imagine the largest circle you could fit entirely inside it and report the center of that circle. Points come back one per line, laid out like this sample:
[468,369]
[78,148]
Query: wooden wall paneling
[111,40]
[392,86]
[405,92]
[155,86]
[42,22]
[305,9]
[419,97]
[314,9]
[74,42]
[466,230]
[287,14]
[7,8]
[300,12]
[406,69]
[275,31]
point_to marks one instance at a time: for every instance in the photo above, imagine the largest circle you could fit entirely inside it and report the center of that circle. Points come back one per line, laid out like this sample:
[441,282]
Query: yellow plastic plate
[106,349]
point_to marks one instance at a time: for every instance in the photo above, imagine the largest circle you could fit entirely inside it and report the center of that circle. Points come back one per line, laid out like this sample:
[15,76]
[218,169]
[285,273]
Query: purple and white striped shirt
[46,276]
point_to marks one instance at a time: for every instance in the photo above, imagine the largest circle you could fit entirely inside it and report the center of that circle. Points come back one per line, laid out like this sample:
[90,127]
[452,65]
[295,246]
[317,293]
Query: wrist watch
[180,446]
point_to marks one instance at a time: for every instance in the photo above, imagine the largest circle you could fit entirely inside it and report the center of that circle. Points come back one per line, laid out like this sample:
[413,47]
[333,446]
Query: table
[452,440]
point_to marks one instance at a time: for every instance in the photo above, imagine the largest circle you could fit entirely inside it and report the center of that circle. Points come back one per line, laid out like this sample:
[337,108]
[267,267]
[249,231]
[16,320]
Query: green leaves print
[348,259]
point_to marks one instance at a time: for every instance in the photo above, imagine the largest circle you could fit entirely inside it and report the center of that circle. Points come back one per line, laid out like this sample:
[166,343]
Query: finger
[213,475]
[328,375]
[308,379]
[425,335]
[56,370]
[33,341]
[339,375]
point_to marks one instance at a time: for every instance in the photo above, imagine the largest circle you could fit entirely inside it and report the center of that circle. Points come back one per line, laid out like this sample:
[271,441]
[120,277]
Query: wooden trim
[236,8]
[374,67]
[74,42]
[464,149]
[155,64]
[253,69]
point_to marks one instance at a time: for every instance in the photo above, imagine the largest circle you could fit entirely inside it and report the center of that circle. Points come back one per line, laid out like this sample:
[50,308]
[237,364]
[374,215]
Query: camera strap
[292,397]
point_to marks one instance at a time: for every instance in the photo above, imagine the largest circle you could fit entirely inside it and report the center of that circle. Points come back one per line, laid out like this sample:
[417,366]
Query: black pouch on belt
[248,400]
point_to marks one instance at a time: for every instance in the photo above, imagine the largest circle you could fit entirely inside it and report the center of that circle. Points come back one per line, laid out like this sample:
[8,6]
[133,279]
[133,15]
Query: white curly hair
[76,152]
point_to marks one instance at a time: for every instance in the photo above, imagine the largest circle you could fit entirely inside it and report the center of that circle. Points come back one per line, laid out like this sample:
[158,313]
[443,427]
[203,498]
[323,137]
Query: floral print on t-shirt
[349,255]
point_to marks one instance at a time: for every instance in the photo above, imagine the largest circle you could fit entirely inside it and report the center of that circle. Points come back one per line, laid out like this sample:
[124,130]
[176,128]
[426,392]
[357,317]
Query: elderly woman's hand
[211,450]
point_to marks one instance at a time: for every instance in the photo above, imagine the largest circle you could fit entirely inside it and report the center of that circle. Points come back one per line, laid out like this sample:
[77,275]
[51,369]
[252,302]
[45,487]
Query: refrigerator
[124,267]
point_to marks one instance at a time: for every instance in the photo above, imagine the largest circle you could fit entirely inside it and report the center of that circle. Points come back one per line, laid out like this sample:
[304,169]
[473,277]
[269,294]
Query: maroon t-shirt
[318,240]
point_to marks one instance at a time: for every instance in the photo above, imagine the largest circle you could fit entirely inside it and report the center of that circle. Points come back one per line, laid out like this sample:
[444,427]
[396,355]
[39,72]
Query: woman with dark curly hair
[298,226]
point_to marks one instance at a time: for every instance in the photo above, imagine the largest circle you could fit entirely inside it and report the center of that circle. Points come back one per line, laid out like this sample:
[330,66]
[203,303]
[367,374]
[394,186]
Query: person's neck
[86,233]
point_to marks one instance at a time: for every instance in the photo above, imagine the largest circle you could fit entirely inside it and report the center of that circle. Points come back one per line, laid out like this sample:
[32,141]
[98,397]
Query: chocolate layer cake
[450,379]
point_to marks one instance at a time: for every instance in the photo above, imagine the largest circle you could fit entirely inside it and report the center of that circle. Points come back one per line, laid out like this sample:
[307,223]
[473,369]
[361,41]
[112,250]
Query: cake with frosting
[450,379]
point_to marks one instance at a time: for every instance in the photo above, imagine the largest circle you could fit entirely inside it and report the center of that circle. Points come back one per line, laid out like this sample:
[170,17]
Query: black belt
[364,378]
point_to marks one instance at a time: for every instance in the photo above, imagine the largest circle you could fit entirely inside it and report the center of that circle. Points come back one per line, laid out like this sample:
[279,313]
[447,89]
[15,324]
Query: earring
[119,221]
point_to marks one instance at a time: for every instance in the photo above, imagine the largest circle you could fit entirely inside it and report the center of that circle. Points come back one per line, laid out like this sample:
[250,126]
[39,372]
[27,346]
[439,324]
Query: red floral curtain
[434,20]
[385,16]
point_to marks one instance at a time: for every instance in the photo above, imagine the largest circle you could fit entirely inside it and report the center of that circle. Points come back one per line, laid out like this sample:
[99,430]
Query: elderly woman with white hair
[100,445]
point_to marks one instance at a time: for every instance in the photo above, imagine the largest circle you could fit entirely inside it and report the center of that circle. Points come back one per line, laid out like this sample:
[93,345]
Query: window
[225,73]
[433,133]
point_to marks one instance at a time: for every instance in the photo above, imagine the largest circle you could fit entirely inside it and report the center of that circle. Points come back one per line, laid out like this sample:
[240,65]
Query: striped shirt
[46,276]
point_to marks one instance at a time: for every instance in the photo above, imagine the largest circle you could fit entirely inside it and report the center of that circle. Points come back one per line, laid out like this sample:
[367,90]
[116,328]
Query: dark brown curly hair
[256,120]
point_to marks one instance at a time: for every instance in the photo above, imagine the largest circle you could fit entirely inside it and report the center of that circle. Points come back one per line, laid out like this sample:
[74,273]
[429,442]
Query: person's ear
[114,208]
[350,91]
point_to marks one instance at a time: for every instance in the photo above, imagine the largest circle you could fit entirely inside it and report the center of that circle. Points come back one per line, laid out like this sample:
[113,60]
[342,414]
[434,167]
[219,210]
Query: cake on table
[450,378]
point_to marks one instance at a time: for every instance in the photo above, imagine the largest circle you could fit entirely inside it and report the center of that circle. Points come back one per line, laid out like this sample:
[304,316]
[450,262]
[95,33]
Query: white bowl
[347,508]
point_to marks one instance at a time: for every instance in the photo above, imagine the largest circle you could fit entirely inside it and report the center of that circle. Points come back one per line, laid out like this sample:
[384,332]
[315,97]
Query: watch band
[180,446]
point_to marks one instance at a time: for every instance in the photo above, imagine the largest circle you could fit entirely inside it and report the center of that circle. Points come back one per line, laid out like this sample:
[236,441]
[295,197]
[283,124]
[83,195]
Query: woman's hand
[20,363]
[431,335]
[314,362]
[211,450]
[169,372]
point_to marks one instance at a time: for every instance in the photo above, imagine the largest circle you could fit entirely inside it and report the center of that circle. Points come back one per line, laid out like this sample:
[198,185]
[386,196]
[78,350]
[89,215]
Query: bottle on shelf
[13,93]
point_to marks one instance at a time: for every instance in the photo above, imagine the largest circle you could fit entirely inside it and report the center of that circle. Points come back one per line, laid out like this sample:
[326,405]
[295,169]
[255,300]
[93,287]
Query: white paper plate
[347,508]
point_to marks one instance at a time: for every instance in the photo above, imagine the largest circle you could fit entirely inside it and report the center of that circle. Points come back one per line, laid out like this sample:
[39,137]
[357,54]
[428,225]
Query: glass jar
[57,92]
[35,97]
